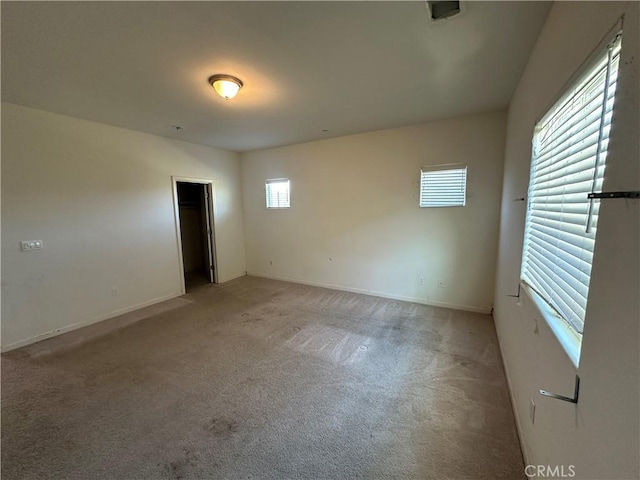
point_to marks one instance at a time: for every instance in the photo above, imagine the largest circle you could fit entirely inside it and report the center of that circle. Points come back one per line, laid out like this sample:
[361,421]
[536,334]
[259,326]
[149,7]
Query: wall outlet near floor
[421,280]
[114,292]
[28,245]
[532,411]
[440,284]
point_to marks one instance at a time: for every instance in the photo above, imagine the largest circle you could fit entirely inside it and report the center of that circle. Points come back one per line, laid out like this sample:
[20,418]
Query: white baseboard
[243,274]
[76,326]
[122,311]
[512,398]
[433,303]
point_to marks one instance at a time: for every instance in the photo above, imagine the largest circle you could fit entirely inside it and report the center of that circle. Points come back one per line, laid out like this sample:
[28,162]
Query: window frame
[440,203]
[270,181]
[564,330]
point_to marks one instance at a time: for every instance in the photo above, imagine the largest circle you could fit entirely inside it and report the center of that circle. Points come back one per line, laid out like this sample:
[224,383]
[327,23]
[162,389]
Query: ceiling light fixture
[225,85]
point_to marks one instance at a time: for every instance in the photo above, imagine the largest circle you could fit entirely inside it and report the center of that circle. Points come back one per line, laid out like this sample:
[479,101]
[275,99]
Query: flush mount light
[225,85]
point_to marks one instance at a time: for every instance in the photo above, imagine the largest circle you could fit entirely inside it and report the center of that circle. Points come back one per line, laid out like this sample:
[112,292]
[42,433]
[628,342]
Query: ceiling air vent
[439,10]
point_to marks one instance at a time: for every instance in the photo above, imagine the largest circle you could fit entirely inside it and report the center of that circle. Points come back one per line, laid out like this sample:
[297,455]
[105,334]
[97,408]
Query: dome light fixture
[225,85]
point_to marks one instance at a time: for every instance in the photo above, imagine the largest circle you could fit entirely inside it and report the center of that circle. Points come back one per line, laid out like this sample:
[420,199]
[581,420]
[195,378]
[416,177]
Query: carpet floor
[258,378]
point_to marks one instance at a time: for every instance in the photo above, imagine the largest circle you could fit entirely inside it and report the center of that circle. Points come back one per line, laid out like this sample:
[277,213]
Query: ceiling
[345,67]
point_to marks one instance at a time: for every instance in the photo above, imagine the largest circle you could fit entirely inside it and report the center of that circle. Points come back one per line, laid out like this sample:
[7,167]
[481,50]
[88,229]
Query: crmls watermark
[550,471]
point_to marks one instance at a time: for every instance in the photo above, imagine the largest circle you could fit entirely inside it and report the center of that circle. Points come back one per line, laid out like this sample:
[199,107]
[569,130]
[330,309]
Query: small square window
[278,193]
[443,186]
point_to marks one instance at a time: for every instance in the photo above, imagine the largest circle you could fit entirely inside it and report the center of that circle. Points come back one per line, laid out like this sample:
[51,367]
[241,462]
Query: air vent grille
[439,10]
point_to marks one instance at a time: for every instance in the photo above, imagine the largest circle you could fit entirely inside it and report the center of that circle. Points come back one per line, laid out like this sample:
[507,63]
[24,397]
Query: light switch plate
[28,245]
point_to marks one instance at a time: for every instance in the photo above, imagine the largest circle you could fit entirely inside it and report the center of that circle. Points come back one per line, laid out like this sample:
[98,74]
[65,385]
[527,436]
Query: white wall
[355,223]
[600,436]
[101,200]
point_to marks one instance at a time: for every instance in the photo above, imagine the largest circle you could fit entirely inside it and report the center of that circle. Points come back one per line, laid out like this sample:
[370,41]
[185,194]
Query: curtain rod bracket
[602,195]
[562,397]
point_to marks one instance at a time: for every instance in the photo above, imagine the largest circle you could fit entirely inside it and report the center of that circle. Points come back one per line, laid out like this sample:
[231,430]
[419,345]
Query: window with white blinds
[568,162]
[443,186]
[278,195]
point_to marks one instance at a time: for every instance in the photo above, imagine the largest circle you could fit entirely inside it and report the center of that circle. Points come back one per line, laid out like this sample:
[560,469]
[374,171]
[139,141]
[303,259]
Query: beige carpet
[264,379]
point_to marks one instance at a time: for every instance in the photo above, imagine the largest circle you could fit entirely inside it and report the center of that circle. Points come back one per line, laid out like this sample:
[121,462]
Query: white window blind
[278,195]
[443,186]
[568,162]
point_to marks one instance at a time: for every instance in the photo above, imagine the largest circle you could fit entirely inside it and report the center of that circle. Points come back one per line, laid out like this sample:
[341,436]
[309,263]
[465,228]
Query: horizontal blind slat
[564,286]
[443,188]
[277,193]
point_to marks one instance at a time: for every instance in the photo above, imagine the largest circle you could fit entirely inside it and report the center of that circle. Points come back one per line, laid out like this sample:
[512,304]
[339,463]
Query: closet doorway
[194,224]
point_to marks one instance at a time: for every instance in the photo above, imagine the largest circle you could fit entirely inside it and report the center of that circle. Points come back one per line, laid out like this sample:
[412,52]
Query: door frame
[208,183]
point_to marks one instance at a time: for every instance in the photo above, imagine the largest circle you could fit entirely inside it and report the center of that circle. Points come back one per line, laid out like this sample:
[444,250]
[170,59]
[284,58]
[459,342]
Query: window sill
[570,340]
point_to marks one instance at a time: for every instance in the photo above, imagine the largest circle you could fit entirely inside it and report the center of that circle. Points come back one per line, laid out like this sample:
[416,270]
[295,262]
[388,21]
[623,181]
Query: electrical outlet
[532,411]
[421,280]
[114,292]
[28,245]
[440,284]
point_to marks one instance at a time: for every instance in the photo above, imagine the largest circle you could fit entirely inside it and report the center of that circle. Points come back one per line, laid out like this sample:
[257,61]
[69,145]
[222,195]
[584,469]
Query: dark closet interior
[193,233]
